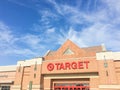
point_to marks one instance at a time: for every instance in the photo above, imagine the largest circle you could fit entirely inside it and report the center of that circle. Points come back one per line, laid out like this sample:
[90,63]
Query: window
[68,52]
[5,87]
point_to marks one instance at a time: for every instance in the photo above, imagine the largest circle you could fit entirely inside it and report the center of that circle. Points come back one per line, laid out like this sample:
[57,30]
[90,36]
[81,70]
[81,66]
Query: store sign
[68,65]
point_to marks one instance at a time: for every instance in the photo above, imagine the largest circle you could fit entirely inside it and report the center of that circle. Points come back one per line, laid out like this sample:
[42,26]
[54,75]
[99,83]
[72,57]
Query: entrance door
[71,86]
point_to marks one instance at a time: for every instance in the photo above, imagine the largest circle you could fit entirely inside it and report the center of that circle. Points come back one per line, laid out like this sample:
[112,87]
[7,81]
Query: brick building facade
[68,68]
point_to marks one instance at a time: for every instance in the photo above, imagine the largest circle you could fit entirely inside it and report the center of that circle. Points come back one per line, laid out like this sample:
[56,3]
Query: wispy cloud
[6,36]
[113,4]
[51,30]
[31,40]
[11,44]
[86,23]
[96,35]
[99,26]
[19,3]
[57,7]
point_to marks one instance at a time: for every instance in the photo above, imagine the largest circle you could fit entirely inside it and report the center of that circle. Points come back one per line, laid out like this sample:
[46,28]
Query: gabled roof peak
[68,41]
[70,49]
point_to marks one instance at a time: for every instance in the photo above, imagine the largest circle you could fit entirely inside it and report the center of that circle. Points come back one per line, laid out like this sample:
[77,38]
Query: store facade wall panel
[47,84]
[94,82]
[35,75]
[28,71]
[117,70]
[107,74]
[26,77]
[7,76]
[19,76]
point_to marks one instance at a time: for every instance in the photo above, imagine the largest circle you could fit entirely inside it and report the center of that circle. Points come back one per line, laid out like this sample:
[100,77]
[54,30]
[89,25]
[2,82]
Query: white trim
[94,88]
[8,68]
[108,55]
[9,81]
[70,76]
[15,87]
[29,62]
[110,86]
[47,53]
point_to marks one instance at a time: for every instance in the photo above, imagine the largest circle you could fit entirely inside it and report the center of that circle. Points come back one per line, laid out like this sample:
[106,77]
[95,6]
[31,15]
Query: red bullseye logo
[50,66]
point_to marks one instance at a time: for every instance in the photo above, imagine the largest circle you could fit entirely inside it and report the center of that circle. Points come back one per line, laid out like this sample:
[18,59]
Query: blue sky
[28,28]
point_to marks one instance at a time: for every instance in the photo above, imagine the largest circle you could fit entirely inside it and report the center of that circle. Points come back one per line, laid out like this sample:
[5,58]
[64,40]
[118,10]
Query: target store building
[68,68]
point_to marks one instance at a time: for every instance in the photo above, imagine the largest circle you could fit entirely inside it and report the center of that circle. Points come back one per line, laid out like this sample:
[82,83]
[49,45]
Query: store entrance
[71,86]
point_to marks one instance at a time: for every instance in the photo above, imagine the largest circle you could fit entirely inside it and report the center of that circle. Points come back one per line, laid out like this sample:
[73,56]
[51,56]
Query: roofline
[8,68]
[46,53]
